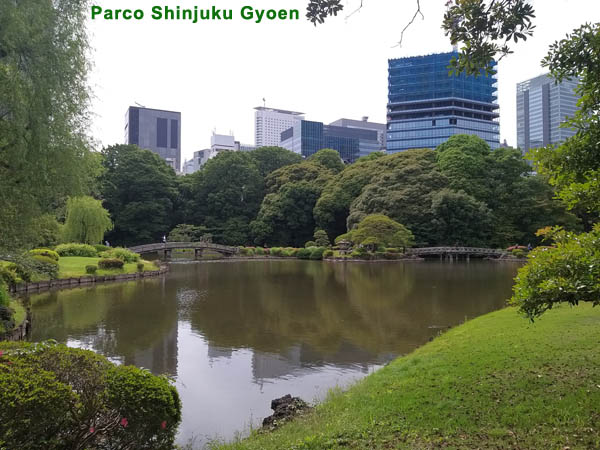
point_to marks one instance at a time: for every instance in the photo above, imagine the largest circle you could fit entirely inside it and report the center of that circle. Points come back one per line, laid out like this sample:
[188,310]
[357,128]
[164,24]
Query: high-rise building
[307,137]
[427,105]
[542,105]
[270,123]
[156,130]
[364,124]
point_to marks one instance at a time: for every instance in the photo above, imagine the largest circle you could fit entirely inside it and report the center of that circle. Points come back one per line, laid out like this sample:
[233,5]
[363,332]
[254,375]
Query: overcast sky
[216,72]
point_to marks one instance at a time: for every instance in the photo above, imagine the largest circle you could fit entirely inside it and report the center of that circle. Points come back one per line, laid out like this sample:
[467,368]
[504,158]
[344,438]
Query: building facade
[427,105]
[542,105]
[270,123]
[308,137]
[156,130]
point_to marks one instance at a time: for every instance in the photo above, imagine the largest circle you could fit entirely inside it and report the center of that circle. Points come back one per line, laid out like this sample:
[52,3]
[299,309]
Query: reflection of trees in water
[134,322]
[379,309]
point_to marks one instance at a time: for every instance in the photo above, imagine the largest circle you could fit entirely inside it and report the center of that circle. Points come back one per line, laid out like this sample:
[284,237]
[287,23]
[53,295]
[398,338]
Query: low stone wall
[21,332]
[85,280]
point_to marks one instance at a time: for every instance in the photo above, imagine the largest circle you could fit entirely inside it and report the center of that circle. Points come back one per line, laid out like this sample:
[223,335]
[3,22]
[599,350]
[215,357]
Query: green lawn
[495,382]
[74,266]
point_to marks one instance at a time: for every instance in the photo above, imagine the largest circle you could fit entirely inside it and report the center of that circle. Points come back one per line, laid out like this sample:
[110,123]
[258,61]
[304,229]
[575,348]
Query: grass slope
[495,382]
[74,266]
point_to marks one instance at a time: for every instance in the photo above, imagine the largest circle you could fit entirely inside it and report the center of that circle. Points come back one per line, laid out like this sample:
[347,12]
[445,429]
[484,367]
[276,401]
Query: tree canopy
[139,191]
[44,98]
[86,221]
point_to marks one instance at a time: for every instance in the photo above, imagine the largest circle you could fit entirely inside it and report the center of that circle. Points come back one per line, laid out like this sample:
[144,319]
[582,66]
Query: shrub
[259,251]
[304,253]
[101,248]
[45,259]
[379,255]
[140,267]
[317,253]
[91,269]
[44,252]
[110,263]
[391,255]
[276,251]
[76,250]
[569,273]
[74,398]
[4,297]
[310,244]
[8,274]
[361,253]
[328,254]
[392,250]
[121,253]
[518,253]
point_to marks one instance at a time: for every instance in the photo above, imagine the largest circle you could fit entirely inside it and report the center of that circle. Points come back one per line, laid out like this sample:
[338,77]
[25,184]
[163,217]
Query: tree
[44,99]
[460,219]
[404,193]
[87,221]
[228,187]
[187,233]
[285,217]
[380,230]
[329,159]
[321,238]
[269,159]
[305,171]
[139,191]
[485,28]
[574,166]
[569,272]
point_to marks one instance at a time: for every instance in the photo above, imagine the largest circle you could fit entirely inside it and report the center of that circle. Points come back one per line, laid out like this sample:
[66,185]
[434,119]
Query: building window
[452,121]
[433,123]
[174,133]
[161,132]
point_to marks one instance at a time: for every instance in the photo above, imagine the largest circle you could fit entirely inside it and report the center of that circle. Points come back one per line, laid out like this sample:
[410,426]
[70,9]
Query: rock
[284,409]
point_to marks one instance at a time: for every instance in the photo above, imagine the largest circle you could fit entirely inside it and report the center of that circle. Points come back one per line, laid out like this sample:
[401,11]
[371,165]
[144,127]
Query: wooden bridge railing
[473,251]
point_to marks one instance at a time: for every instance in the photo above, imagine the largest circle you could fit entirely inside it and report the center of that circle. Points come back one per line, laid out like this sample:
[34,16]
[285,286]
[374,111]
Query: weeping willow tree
[44,148]
[86,221]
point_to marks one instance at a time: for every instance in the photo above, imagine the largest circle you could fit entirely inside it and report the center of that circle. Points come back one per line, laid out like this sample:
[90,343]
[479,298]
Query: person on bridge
[164,238]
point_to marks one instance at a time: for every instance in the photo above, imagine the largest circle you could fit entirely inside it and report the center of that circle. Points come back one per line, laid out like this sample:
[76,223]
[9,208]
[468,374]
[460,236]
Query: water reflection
[235,335]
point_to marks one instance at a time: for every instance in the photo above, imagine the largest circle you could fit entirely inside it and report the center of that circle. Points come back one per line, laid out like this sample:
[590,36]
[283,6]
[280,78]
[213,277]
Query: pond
[235,335]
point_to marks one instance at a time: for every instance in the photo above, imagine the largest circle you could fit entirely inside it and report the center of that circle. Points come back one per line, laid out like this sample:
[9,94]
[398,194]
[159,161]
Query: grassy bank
[495,382]
[74,266]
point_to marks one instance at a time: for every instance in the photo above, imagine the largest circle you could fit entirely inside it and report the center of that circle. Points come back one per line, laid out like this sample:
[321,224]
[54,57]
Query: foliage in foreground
[566,273]
[495,382]
[55,397]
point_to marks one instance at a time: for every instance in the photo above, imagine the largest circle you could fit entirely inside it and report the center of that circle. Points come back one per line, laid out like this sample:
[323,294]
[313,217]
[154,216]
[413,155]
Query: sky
[216,72]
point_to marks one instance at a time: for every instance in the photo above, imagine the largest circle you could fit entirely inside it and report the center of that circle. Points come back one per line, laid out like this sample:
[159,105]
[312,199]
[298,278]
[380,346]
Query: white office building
[270,123]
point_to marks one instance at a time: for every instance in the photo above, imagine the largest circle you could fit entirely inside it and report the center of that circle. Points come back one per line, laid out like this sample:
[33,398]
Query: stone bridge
[165,249]
[452,253]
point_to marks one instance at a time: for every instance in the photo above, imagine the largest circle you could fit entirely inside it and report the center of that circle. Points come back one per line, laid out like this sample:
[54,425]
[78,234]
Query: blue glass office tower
[307,137]
[427,105]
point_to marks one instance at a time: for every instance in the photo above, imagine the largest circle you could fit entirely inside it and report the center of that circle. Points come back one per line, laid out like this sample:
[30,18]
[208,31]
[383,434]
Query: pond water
[235,335]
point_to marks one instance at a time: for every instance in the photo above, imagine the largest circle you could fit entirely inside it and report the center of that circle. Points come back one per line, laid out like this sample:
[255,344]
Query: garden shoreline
[85,280]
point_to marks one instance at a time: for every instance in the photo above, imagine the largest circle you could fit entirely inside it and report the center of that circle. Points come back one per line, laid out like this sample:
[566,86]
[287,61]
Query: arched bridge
[456,252]
[165,249]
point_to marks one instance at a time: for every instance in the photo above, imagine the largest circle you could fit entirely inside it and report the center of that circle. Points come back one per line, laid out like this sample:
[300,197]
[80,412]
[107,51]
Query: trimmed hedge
[91,269]
[317,253]
[304,253]
[110,263]
[140,267]
[328,254]
[121,253]
[44,252]
[54,397]
[74,249]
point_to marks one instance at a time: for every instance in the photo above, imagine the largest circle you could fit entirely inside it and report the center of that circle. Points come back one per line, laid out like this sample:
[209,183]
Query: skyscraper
[307,137]
[156,130]
[270,123]
[427,105]
[542,105]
